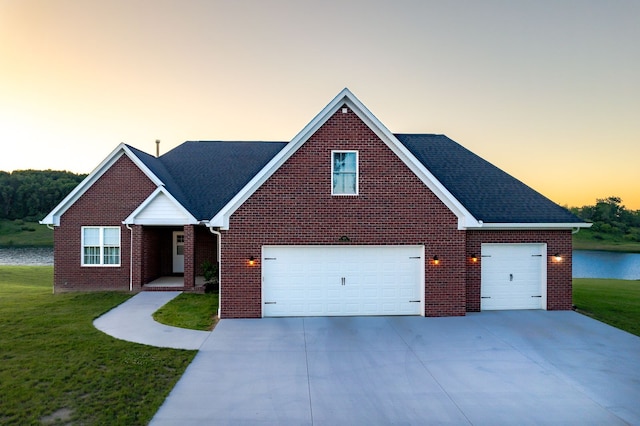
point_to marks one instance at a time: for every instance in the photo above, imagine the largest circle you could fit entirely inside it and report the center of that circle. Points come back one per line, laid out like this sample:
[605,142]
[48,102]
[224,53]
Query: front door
[178,252]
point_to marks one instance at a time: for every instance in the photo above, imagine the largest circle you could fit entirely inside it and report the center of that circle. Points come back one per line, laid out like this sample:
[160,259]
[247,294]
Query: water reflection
[605,264]
[26,256]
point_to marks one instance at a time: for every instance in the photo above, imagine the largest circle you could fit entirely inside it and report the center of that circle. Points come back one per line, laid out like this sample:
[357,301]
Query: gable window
[100,245]
[344,172]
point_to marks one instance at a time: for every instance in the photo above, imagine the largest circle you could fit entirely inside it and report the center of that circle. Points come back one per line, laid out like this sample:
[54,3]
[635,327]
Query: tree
[609,216]
[31,194]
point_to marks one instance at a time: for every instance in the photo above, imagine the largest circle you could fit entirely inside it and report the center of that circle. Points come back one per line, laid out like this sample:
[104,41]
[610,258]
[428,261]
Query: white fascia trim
[536,226]
[465,219]
[131,219]
[53,218]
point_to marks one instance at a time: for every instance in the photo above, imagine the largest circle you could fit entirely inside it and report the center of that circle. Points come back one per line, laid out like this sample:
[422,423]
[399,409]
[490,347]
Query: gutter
[530,226]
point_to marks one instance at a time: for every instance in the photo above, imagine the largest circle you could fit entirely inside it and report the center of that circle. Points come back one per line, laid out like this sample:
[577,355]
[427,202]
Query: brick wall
[206,248]
[295,206]
[106,203]
[559,281]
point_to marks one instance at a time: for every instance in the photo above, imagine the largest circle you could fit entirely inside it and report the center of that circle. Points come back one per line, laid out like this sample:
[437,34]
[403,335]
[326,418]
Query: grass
[188,310]
[18,233]
[589,240]
[55,365]
[615,302]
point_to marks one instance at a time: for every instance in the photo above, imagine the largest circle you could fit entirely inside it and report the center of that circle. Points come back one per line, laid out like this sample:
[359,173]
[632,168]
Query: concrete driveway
[490,368]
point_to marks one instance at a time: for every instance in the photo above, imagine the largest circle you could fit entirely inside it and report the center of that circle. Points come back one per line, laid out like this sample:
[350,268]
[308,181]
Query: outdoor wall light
[436,261]
[557,257]
[474,258]
[252,261]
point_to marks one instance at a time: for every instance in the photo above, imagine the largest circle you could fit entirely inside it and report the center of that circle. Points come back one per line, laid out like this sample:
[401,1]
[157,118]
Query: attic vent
[345,110]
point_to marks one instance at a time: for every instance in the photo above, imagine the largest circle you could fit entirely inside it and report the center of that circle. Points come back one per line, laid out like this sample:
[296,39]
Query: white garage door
[513,276]
[342,280]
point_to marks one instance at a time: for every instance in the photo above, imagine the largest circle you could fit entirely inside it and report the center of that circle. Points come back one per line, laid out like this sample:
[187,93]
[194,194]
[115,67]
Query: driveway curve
[132,321]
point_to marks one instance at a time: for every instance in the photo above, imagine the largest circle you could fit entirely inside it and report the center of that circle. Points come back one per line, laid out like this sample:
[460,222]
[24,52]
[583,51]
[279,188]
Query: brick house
[345,219]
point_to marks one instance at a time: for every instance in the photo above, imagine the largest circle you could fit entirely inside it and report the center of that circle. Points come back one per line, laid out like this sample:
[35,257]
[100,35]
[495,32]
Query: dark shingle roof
[204,176]
[488,193]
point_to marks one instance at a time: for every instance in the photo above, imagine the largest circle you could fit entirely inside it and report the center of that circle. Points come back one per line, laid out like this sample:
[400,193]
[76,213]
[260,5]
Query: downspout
[130,257]
[219,235]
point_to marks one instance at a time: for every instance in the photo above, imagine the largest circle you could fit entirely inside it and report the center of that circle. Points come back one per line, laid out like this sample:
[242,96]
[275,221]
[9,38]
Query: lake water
[26,256]
[586,263]
[606,264]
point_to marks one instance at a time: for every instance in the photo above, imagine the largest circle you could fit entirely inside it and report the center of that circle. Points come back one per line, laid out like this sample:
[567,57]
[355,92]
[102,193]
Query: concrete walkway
[132,321]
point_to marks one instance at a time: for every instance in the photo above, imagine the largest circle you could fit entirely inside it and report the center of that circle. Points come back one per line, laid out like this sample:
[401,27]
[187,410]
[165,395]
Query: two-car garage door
[342,280]
[513,276]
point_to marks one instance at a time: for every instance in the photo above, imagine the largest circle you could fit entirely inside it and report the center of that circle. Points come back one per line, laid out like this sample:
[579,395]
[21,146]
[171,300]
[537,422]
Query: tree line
[611,217]
[31,194]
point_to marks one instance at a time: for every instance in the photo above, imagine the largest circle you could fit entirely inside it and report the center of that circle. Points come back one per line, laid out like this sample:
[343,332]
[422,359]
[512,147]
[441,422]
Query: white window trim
[337,151]
[102,246]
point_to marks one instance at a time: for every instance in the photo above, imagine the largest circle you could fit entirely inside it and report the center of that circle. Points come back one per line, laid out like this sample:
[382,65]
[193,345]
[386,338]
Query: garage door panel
[378,280]
[512,276]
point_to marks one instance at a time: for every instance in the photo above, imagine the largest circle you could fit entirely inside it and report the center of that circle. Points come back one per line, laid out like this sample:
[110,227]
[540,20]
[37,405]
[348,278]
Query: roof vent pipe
[157,148]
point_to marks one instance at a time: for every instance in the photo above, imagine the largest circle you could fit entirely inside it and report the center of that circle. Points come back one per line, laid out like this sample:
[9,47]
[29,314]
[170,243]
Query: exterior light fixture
[557,257]
[436,261]
[474,258]
[252,261]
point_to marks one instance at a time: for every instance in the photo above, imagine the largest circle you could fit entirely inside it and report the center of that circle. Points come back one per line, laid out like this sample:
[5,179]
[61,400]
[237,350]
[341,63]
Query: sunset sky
[549,91]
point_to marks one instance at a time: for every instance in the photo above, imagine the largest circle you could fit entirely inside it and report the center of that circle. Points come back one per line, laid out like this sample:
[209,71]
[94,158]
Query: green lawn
[615,302]
[188,310]
[55,364]
[589,240]
[25,234]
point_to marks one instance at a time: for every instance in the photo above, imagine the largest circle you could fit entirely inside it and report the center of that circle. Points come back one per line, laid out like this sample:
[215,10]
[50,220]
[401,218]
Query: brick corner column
[136,257]
[189,257]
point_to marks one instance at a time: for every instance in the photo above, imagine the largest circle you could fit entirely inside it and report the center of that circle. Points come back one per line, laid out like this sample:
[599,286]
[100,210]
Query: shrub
[210,273]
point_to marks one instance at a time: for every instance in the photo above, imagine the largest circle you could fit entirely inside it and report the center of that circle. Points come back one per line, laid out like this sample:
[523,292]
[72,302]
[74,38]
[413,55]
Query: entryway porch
[174,283]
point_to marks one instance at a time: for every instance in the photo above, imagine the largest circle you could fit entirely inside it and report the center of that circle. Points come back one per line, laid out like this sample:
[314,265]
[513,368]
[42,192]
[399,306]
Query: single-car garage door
[342,280]
[513,276]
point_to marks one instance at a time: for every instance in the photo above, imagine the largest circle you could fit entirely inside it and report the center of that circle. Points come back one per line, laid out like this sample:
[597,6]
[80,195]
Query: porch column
[189,257]
[136,257]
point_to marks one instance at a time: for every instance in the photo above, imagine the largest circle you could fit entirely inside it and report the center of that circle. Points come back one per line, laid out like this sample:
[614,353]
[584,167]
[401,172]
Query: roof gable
[53,218]
[344,99]
[160,208]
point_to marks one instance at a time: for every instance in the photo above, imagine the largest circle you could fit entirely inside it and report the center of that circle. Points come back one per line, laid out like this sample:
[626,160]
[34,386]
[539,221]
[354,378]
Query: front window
[344,171]
[100,245]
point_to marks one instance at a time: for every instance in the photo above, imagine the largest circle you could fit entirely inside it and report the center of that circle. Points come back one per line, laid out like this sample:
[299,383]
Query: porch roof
[204,175]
